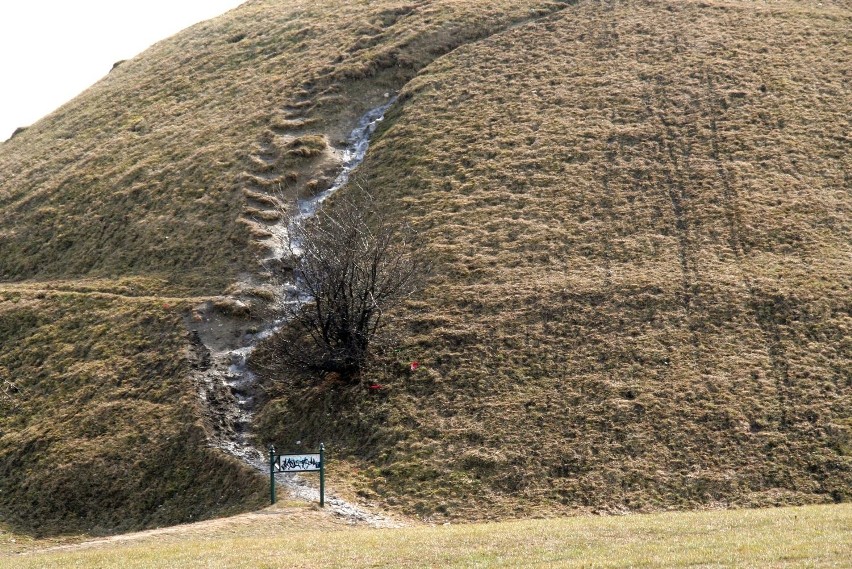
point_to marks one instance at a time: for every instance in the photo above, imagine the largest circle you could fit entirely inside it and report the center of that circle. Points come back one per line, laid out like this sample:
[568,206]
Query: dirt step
[263,215]
[263,198]
[288,124]
[262,164]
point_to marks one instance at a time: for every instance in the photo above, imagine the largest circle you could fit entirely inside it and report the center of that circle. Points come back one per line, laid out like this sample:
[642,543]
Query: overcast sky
[51,50]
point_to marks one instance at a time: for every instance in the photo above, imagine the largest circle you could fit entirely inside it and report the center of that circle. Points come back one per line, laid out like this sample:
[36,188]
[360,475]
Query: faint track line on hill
[607,39]
[764,311]
[675,166]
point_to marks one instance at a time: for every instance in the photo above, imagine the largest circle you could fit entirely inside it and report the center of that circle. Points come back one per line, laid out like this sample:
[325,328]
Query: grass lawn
[813,536]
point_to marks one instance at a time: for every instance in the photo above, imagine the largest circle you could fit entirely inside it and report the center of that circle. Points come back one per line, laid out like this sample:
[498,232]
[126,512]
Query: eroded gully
[223,346]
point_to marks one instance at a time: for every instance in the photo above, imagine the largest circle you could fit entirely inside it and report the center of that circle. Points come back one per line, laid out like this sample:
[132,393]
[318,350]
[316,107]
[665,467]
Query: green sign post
[272,473]
[322,475]
[313,462]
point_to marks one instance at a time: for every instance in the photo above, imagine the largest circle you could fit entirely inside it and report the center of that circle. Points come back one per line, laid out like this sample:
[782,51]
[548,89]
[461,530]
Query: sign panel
[299,463]
[312,462]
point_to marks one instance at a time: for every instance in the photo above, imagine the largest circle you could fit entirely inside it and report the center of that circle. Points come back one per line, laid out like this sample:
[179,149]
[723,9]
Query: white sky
[52,50]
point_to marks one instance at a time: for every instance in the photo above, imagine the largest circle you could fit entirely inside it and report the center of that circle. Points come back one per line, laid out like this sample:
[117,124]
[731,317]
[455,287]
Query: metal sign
[299,463]
[312,462]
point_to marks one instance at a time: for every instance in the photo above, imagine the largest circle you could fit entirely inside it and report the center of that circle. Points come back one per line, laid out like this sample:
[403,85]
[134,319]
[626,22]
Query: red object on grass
[415,365]
[375,387]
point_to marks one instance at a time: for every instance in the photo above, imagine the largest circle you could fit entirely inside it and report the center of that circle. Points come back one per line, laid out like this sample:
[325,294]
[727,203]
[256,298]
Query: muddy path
[223,339]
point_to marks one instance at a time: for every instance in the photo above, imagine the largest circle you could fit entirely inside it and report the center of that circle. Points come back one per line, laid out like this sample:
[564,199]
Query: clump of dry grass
[307,146]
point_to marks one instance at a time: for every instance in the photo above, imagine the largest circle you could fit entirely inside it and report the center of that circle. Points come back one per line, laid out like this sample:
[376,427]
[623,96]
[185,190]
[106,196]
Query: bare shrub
[353,264]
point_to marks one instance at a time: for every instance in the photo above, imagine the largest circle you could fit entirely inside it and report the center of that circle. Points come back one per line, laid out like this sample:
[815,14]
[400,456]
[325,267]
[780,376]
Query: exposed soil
[225,331]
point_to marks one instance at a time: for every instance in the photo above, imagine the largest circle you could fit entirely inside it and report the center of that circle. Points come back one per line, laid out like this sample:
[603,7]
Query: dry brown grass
[102,429]
[141,174]
[154,188]
[639,216]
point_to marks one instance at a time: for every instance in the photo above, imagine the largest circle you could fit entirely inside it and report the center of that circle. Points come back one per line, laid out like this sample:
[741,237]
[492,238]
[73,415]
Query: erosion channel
[222,344]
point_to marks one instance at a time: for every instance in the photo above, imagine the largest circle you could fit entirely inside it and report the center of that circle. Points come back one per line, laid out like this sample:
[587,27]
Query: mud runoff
[225,331]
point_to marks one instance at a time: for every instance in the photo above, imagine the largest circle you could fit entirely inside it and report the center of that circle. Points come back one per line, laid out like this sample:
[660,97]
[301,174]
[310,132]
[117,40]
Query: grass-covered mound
[148,194]
[637,213]
[639,219]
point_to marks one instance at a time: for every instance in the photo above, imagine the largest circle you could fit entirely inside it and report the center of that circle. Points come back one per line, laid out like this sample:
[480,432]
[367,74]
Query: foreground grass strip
[816,536]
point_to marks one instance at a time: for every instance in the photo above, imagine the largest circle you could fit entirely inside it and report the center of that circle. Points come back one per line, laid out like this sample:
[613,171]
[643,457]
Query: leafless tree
[352,264]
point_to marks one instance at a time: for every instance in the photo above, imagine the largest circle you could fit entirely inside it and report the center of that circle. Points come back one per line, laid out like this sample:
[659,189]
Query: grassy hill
[638,214]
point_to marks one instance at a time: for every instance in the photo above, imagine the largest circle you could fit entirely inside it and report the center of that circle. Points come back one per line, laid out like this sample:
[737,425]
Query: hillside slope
[640,218]
[150,195]
[638,213]
[145,173]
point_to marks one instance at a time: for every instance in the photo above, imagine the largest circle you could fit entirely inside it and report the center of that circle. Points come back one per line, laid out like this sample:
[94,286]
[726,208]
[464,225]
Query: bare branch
[353,263]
